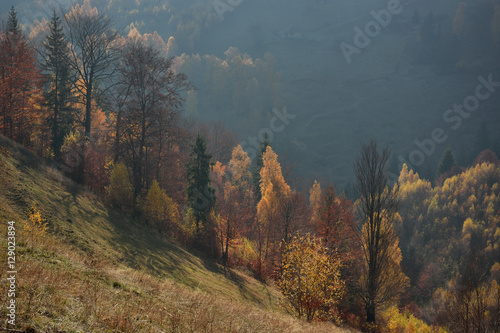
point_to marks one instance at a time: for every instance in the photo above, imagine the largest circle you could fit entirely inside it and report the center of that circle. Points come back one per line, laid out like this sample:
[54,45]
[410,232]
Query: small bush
[36,226]
[120,190]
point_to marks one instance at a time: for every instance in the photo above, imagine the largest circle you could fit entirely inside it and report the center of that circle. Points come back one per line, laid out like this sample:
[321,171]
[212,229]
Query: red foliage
[455,170]
[429,279]
[336,224]
[486,156]
[23,118]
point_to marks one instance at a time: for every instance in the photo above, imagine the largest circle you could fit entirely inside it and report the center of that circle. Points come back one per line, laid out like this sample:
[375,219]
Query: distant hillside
[383,93]
[98,270]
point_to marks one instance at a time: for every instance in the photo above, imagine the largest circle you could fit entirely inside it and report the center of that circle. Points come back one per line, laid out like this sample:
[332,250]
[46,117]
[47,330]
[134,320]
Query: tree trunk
[370,311]
[226,252]
[117,135]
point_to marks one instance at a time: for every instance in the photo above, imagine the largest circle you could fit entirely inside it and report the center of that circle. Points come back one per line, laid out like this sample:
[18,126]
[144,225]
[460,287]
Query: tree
[91,58]
[382,279]
[235,197]
[120,190]
[279,211]
[147,111]
[20,88]
[12,23]
[315,201]
[447,162]
[472,303]
[310,278]
[258,163]
[58,93]
[200,195]
[220,141]
[335,223]
[160,210]
[486,156]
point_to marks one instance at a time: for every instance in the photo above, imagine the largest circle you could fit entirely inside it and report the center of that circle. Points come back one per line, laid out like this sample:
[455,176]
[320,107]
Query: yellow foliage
[120,189]
[273,187]
[239,168]
[390,280]
[310,278]
[396,322]
[315,200]
[159,207]
[36,226]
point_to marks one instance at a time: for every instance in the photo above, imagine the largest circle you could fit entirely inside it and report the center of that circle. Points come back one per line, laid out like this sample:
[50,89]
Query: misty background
[258,55]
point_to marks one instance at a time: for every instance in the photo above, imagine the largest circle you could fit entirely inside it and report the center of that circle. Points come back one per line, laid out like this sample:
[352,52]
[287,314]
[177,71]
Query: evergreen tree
[12,23]
[200,195]
[447,162]
[258,166]
[58,94]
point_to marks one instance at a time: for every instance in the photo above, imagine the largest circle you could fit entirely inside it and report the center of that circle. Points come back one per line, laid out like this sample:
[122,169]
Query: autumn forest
[116,114]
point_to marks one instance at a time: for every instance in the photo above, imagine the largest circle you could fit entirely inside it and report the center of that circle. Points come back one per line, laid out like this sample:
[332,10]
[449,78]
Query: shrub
[120,190]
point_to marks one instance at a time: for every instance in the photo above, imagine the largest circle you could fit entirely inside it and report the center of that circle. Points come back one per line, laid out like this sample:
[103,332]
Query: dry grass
[59,290]
[101,271]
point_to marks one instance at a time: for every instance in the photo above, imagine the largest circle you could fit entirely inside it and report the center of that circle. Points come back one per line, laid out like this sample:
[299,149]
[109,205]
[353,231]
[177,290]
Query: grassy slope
[99,270]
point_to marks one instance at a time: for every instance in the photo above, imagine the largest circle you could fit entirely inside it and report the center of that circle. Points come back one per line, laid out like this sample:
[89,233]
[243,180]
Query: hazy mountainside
[397,88]
[98,269]
[163,215]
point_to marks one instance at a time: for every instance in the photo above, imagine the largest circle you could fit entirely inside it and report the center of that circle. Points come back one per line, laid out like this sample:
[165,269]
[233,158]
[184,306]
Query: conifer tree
[447,162]
[12,23]
[200,194]
[58,95]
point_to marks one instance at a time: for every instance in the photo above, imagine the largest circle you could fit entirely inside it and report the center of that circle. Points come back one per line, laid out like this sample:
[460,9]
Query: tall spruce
[58,75]
[12,22]
[200,194]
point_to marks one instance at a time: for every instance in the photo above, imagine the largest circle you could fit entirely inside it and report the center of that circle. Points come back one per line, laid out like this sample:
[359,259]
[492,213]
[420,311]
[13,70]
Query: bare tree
[383,279]
[91,57]
[148,110]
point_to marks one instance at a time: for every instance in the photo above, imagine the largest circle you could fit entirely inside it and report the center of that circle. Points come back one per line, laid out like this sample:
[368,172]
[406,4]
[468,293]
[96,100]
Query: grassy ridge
[100,270]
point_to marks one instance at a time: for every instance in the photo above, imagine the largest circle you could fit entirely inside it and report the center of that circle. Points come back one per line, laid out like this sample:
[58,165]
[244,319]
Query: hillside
[98,270]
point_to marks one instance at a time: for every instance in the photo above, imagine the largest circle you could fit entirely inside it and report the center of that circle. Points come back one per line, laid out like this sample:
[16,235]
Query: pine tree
[448,161]
[58,94]
[12,23]
[200,195]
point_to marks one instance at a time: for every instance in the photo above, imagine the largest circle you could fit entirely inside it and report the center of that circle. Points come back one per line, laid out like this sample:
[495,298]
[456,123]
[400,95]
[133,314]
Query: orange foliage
[21,100]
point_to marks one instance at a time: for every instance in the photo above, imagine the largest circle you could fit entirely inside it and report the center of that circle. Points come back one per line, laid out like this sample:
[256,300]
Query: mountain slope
[100,270]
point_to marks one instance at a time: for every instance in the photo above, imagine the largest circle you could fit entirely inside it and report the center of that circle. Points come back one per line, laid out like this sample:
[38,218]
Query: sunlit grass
[99,270]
